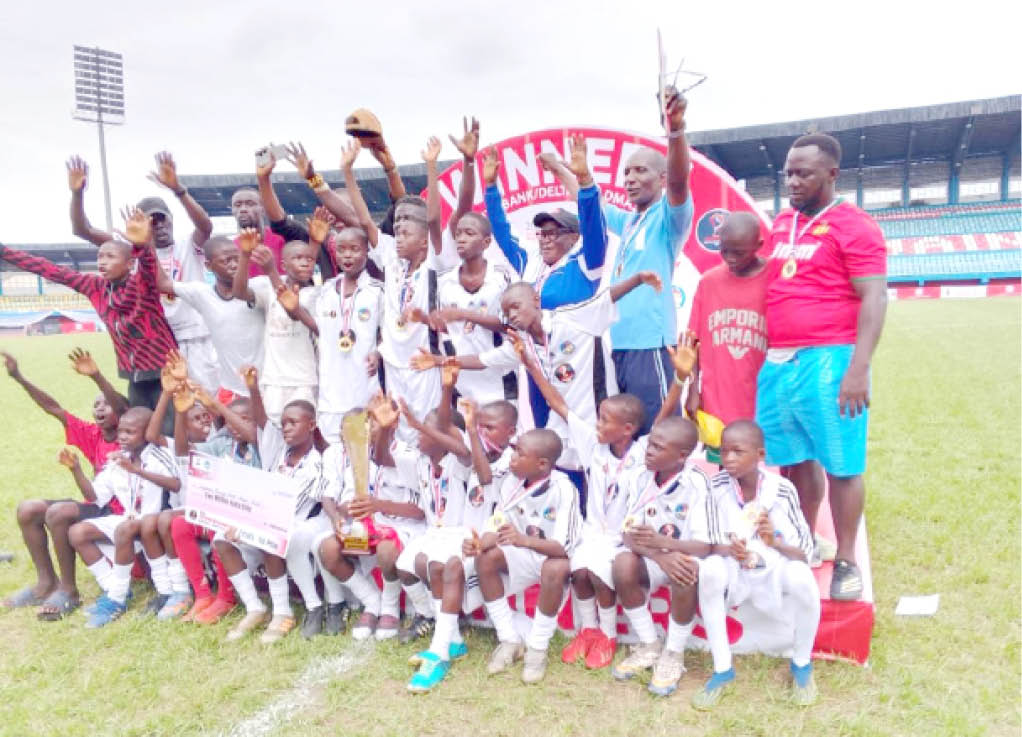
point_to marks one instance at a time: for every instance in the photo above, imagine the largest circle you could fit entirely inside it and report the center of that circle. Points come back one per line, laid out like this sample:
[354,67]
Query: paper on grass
[917,606]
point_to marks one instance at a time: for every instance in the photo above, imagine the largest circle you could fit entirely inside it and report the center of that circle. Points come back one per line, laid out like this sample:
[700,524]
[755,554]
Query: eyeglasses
[545,234]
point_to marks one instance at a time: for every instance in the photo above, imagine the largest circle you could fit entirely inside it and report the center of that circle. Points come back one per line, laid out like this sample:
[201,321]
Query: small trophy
[363,124]
[749,532]
[358,535]
[694,79]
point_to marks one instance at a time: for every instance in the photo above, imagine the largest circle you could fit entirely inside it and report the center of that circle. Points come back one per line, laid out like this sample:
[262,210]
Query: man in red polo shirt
[825,311]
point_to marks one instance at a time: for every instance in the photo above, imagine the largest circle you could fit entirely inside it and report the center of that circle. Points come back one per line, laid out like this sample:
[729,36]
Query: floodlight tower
[99,99]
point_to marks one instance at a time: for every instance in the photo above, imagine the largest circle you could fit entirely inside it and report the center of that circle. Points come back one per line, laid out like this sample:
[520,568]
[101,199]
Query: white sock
[280,596]
[677,634]
[299,567]
[608,621]
[119,582]
[419,596]
[365,590]
[178,577]
[446,625]
[160,575]
[586,612]
[456,632]
[437,605]
[803,603]
[543,626]
[503,622]
[713,609]
[102,570]
[333,590]
[245,588]
[390,601]
[642,623]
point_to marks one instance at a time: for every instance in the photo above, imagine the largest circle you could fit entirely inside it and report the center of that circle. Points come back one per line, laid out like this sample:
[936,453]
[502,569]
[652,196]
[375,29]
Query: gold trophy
[358,536]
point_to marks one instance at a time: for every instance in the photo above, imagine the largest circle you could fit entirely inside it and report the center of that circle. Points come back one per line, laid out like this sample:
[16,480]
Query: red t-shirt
[276,244]
[88,438]
[817,305]
[729,317]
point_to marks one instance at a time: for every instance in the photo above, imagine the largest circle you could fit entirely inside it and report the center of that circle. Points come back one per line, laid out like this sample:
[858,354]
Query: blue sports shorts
[796,405]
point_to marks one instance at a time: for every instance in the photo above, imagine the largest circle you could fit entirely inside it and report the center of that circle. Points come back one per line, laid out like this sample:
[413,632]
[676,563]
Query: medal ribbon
[534,350]
[601,509]
[795,235]
[521,491]
[406,291]
[437,485]
[653,490]
[346,310]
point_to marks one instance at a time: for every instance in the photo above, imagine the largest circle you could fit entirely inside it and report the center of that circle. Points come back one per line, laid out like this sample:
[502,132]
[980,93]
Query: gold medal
[789,268]
[495,522]
[629,523]
[346,341]
[401,324]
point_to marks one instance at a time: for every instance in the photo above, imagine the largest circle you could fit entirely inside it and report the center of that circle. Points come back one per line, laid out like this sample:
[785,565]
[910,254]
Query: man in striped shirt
[127,301]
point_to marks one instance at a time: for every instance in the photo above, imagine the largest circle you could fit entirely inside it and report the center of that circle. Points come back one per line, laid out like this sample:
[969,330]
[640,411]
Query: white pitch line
[303,694]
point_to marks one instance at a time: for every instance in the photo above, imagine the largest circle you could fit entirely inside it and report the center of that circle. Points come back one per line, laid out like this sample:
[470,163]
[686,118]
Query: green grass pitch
[943,516]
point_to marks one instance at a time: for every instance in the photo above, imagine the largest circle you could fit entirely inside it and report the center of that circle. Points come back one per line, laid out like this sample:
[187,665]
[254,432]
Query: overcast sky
[212,81]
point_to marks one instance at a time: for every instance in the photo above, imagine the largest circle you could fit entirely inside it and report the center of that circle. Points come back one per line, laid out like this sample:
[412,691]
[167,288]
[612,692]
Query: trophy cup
[748,525]
[357,536]
[694,79]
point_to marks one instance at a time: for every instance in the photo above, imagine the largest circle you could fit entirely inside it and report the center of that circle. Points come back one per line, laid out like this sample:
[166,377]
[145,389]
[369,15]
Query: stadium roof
[214,191]
[948,132]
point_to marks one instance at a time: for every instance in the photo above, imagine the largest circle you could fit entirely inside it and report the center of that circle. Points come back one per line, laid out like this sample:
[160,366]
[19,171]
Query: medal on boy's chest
[790,267]
[346,341]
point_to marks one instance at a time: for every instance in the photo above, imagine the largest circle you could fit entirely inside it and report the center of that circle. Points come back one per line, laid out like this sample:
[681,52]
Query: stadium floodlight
[99,99]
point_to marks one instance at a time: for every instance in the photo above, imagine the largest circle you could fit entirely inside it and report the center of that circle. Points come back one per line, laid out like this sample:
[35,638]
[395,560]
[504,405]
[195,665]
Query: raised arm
[331,200]
[378,148]
[619,290]
[166,176]
[83,363]
[288,298]
[251,376]
[430,154]
[69,459]
[684,358]
[515,254]
[243,428]
[679,161]
[48,404]
[78,179]
[86,284]
[552,396]
[591,220]
[362,216]
[248,240]
[480,463]
[385,415]
[271,204]
[565,174]
[468,145]
[153,431]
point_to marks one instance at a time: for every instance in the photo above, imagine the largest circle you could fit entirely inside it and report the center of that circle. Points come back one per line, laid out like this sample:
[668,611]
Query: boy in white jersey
[347,314]
[529,540]
[290,369]
[438,467]
[666,532]
[475,288]
[289,450]
[451,569]
[568,345]
[410,287]
[139,479]
[397,516]
[761,555]
[235,327]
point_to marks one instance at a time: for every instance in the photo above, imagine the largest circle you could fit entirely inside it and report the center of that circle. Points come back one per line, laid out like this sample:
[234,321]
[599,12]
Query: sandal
[57,606]
[23,598]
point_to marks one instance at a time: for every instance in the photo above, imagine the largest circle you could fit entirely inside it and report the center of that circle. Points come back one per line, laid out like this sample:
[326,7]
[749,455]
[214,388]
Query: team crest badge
[651,511]
[550,514]
[364,314]
[708,228]
[670,531]
[564,373]
[475,497]
[567,347]
[681,511]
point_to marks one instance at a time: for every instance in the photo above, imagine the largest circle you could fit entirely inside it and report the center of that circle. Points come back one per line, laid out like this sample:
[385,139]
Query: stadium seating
[937,220]
[981,266]
[954,243]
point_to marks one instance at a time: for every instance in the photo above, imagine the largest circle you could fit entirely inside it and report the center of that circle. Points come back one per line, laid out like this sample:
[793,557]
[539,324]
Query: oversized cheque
[259,505]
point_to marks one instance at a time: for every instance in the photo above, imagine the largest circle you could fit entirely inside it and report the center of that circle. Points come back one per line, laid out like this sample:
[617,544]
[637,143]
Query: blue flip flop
[23,598]
[60,603]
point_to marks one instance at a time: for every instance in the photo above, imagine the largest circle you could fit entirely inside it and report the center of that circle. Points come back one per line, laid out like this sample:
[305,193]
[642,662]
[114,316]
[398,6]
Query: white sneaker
[642,657]
[505,654]
[667,672]
[534,667]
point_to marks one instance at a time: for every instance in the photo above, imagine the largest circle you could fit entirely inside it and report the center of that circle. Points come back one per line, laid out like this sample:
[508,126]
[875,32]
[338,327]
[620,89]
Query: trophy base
[353,545]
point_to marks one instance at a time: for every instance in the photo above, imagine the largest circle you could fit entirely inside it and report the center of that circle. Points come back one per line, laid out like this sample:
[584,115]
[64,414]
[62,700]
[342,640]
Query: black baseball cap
[565,219]
[151,205]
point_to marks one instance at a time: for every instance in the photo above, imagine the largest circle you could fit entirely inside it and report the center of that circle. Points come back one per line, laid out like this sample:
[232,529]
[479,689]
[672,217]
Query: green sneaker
[709,695]
[803,685]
